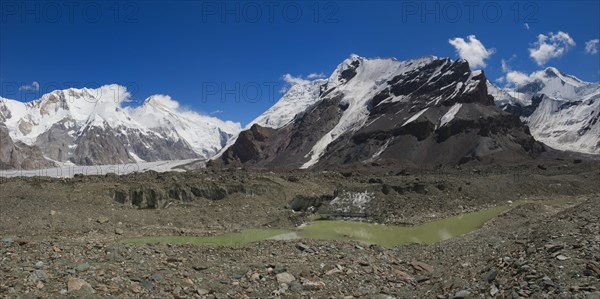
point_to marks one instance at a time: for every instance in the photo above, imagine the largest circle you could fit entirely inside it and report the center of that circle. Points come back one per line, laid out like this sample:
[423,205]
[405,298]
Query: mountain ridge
[365,109]
[389,110]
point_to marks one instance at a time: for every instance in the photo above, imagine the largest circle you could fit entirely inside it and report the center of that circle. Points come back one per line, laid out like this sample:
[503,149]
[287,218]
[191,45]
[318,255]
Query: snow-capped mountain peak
[561,110]
[553,82]
[551,72]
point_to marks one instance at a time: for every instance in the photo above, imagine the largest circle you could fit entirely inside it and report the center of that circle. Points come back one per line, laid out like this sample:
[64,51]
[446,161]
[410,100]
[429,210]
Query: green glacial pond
[384,235]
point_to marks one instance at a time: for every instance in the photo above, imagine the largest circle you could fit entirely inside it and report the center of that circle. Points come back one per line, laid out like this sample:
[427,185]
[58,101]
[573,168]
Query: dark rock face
[350,72]
[19,155]
[285,147]
[155,147]
[56,141]
[143,198]
[439,112]
[97,146]
[249,146]
[158,196]
[524,111]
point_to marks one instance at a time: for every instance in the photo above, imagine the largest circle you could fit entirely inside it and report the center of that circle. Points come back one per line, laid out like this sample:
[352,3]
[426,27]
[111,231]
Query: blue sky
[214,57]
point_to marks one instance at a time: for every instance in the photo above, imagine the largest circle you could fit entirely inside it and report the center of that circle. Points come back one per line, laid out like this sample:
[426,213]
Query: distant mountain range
[427,110]
[93,126]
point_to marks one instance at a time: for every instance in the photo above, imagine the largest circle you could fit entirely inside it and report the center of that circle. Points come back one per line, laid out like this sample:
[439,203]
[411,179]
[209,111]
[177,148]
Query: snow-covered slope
[72,124]
[561,110]
[505,97]
[295,101]
[571,126]
[359,79]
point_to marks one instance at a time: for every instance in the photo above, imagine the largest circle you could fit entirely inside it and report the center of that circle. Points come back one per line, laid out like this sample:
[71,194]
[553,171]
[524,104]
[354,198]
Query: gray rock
[462,294]
[561,257]
[82,267]
[494,290]
[103,220]
[594,295]
[491,276]
[38,275]
[76,284]
[200,267]
[146,284]
[8,240]
[238,276]
[296,286]
[285,277]
[302,246]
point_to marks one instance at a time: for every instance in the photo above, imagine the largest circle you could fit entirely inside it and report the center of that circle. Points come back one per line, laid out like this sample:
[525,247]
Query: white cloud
[315,76]
[294,80]
[34,86]
[511,77]
[166,101]
[505,67]
[291,80]
[472,50]
[517,78]
[550,46]
[591,46]
[526,26]
[216,112]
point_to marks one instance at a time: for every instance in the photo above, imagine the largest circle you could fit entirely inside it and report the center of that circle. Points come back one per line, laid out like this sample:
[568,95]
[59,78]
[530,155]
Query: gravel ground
[62,237]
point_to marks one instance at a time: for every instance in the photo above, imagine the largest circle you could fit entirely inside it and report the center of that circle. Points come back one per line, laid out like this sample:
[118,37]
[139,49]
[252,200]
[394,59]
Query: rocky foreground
[62,238]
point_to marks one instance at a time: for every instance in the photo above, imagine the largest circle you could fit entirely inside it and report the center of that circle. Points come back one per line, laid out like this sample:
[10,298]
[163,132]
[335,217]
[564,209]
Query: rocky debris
[305,203]
[422,267]
[514,255]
